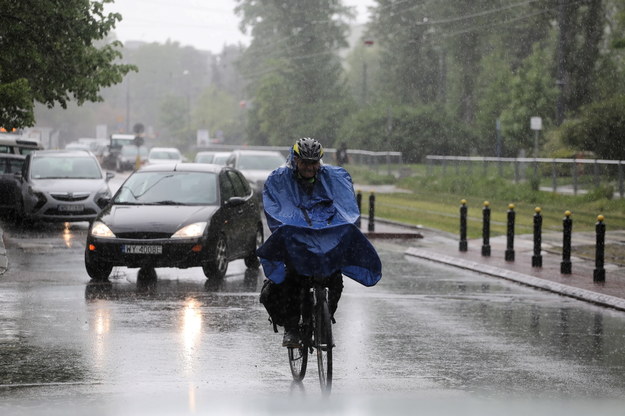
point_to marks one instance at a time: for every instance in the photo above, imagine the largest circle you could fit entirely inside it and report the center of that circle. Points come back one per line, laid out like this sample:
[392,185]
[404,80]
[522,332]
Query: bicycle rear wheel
[323,344]
[298,360]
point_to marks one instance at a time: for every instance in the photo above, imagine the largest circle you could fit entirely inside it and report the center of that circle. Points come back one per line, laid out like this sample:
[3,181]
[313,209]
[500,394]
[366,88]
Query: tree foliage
[50,54]
[415,131]
[532,93]
[600,129]
[296,78]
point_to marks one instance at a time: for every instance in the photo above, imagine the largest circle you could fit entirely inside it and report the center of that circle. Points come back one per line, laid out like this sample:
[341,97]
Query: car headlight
[99,229]
[38,196]
[103,192]
[191,230]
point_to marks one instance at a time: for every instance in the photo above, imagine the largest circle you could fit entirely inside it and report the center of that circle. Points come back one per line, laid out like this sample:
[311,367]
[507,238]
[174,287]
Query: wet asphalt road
[426,335]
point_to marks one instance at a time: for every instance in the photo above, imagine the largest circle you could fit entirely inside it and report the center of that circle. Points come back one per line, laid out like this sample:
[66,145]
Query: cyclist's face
[307,168]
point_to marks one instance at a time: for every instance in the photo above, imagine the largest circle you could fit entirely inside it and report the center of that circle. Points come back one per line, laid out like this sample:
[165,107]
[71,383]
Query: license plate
[142,249]
[71,208]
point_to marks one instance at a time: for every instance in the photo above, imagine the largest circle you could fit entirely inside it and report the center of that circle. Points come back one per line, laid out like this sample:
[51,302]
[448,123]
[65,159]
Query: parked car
[217,158]
[183,215]
[13,143]
[77,146]
[127,159]
[160,155]
[10,195]
[63,185]
[97,146]
[256,165]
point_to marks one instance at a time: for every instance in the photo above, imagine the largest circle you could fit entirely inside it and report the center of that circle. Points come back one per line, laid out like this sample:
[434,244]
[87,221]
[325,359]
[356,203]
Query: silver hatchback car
[63,185]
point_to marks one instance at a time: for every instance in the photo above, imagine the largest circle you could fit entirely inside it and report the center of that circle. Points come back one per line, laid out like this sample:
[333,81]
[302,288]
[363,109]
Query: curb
[392,235]
[572,292]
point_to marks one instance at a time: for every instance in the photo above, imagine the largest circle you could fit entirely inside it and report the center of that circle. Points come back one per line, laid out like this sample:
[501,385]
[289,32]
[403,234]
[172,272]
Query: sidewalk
[443,247]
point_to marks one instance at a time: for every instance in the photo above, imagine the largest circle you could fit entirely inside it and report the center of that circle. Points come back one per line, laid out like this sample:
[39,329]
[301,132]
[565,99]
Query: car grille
[70,196]
[143,235]
[54,211]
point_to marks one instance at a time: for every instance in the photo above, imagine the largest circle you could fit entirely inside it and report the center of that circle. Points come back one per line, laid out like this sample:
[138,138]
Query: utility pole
[563,26]
[368,44]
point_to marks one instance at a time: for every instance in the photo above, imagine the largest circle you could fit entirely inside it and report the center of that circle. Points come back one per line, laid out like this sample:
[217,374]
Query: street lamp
[367,43]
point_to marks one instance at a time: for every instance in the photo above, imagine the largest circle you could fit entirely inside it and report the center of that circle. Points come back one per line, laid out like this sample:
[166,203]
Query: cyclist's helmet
[308,149]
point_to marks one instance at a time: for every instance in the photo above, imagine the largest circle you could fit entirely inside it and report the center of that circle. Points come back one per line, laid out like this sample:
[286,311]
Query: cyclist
[311,210]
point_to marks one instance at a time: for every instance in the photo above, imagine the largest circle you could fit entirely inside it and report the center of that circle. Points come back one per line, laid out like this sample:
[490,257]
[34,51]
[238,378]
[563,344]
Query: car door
[10,169]
[227,216]
[245,214]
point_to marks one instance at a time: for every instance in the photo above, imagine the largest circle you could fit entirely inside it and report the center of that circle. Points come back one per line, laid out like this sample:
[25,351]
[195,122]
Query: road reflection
[148,285]
[102,326]
[191,330]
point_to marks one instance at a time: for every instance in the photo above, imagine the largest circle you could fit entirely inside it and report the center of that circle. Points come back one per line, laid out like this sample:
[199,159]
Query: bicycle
[315,333]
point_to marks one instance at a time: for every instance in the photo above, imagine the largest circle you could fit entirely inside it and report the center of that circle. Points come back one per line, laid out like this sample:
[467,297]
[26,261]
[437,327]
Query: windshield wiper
[168,202]
[131,193]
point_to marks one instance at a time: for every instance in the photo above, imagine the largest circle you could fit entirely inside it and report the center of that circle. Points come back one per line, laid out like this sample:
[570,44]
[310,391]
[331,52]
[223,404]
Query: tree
[599,129]
[410,61]
[414,131]
[218,111]
[292,64]
[532,93]
[53,51]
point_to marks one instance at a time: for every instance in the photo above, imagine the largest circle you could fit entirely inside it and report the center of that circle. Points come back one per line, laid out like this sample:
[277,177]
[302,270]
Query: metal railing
[356,156]
[570,176]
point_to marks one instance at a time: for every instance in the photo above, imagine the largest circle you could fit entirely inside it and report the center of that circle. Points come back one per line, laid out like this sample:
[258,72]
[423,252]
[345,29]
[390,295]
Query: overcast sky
[203,24]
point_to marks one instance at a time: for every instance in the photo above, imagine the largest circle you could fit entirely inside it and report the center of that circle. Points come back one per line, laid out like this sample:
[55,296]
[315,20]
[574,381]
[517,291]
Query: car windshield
[205,158]
[65,168]
[165,154]
[131,150]
[169,188]
[260,162]
[221,159]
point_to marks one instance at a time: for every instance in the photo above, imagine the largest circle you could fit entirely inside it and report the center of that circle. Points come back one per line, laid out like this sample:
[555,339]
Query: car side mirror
[235,201]
[109,176]
[17,175]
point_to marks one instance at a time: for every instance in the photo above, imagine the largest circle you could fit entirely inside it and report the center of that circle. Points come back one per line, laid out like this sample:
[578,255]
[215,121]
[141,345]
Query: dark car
[182,215]
[10,195]
[63,185]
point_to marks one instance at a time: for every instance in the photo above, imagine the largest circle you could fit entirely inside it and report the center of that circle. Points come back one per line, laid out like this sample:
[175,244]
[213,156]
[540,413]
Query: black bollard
[463,225]
[599,272]
[371,212]
[486,229]
[510,234]
[537,258]
[567,226]
[359,202]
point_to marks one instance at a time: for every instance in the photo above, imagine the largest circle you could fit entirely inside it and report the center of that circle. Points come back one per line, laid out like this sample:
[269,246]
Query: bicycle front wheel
[298,360]
[323,344]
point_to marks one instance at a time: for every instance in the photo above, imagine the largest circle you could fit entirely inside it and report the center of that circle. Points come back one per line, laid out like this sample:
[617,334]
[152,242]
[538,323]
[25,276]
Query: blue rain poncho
[315,233]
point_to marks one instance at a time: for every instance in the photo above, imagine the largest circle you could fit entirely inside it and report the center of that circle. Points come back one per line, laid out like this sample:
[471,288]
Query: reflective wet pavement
[428,338]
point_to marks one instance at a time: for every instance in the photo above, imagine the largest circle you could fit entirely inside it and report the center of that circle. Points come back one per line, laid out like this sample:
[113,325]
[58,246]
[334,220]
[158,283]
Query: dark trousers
[283,302]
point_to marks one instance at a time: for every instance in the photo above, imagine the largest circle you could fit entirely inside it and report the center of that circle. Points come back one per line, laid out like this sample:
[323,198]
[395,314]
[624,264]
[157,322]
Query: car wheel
[251,260]
[217,264]
[97,270]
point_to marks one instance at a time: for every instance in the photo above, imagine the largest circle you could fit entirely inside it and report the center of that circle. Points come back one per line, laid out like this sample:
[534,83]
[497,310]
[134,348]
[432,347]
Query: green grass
[434,201]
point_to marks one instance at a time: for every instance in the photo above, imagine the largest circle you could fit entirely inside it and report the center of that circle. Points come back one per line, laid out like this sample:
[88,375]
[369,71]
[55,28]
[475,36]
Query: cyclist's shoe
[291,338]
